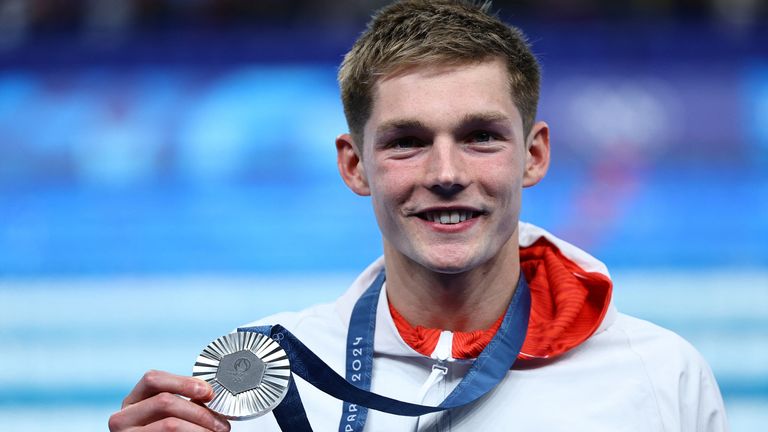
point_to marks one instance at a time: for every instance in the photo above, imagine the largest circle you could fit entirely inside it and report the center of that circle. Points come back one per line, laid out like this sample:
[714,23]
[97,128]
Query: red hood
[568,304]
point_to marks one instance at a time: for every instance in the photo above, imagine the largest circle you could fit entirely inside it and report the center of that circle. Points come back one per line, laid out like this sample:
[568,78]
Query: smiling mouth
[448,217]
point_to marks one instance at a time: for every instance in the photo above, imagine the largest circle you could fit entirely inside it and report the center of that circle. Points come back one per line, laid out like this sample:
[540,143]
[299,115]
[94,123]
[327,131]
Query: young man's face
[445,160]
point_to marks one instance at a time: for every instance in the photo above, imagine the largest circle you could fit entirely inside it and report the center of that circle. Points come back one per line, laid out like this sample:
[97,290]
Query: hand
[155,404]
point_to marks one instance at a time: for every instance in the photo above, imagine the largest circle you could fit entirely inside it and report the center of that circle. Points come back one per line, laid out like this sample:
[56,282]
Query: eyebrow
[412,124]
[479,117]
[485,117]
[398,124]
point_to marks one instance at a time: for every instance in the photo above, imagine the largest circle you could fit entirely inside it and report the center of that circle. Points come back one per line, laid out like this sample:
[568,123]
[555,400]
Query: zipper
[442,354]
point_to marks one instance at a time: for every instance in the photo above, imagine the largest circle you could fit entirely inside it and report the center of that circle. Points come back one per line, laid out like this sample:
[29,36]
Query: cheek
[390,186]
[504,185]
[502,178]
[388,194]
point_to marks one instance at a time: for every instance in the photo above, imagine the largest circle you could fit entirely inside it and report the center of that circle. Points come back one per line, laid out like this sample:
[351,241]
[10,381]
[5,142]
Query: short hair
[434,32]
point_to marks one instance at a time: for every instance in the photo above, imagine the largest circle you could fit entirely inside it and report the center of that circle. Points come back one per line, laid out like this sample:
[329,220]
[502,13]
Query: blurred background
[167,172]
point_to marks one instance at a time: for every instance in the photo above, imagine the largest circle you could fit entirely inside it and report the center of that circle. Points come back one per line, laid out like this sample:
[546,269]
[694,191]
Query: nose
[446,171]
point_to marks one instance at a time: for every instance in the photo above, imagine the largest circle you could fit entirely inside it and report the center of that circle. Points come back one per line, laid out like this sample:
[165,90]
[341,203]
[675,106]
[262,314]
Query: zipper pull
[442,354]
[437,374]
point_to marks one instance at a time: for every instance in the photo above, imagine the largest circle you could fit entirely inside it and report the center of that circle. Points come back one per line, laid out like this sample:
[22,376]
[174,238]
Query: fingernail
[202,390]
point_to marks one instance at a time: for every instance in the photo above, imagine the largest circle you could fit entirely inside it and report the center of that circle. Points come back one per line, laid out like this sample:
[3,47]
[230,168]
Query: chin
[448,264]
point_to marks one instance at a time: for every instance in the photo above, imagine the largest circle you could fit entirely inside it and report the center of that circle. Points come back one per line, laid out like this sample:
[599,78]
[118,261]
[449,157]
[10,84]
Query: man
[440,98]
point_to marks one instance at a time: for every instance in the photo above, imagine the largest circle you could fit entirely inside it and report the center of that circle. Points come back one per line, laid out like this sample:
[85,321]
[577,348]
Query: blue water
[77,345]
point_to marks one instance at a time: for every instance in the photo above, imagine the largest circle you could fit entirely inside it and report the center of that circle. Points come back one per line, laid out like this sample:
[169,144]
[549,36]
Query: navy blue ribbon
[486,371]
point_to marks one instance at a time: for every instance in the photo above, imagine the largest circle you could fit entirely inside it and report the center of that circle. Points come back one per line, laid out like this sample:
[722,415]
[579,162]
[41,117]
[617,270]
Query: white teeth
[448,217]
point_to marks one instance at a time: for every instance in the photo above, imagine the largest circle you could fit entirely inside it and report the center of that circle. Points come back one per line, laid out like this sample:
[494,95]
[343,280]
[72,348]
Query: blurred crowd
[21,18]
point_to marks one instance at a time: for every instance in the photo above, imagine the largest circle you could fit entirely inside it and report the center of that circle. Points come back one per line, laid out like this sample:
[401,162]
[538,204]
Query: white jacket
[630,375]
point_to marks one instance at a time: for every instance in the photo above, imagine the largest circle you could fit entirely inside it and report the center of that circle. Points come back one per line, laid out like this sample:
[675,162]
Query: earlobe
[350,165]
[537,154]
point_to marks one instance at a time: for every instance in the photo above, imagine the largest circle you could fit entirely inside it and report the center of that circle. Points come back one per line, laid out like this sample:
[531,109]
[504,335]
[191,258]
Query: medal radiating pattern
[249,373]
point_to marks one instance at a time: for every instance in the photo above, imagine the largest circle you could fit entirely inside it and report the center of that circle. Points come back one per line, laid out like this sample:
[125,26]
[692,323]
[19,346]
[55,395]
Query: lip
[448,208]
[450,228]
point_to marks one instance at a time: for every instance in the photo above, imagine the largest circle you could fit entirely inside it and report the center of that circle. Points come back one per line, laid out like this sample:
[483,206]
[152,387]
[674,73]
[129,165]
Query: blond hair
[426,32]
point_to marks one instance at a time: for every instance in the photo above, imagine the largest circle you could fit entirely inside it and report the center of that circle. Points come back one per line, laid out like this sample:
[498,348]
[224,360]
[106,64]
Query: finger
[167,405]
[155,382]
[176,425]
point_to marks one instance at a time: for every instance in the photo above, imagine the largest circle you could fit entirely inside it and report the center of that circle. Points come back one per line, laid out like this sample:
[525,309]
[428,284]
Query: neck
[466,301]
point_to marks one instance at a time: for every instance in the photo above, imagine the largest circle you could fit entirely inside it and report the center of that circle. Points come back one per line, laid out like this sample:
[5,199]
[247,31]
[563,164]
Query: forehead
[440,94]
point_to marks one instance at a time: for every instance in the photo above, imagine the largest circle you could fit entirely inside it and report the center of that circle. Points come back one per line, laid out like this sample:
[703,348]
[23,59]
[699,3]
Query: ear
[351,165]
[537,154]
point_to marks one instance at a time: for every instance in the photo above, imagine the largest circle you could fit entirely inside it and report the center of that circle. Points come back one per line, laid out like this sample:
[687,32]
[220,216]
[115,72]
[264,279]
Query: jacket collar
[388,340]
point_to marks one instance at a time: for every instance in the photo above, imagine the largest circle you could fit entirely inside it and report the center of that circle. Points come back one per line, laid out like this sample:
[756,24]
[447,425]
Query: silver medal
[249,373]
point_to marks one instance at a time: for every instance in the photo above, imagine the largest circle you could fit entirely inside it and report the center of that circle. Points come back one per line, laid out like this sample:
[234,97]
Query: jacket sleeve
[701,404]
[687,393]
[684,388]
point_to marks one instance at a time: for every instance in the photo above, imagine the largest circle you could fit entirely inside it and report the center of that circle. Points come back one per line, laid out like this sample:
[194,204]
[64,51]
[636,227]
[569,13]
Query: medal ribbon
[484,374]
